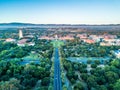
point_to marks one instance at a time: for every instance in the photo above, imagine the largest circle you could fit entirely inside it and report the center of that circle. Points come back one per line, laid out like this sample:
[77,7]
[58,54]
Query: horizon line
[59,23]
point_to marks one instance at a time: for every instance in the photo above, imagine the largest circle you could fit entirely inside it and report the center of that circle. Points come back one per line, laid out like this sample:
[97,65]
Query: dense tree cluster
[28,75]
[25,77]
[100,78]
[71,69]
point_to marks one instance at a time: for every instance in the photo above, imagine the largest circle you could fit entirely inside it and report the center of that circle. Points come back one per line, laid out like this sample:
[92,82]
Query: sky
[60,11]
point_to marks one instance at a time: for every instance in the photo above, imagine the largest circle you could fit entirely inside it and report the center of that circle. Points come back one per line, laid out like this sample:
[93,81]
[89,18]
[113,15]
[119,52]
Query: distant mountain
[27,24]
[18,24]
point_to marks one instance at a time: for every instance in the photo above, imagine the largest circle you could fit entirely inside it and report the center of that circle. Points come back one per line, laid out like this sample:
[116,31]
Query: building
[110,42]
[90,41]
[97,38]
[66,38]
[46,38]
[20,34]
[10,40]
[24,42]
[56,37]
[82,36]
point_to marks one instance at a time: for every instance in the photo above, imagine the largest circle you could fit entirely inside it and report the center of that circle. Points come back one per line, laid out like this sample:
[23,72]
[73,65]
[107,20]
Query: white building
[110,42]
[10,40]
[27,44]
[20,34]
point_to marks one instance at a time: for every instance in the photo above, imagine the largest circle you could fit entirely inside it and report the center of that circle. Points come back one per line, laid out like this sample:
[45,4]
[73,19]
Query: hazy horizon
[56,24]
[60,12]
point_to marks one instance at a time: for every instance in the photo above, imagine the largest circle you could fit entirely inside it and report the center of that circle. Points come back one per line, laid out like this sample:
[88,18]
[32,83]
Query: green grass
[32,57]
[57,43]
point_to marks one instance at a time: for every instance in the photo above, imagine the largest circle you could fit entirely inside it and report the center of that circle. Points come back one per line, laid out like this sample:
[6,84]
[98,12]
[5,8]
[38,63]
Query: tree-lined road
[57,79]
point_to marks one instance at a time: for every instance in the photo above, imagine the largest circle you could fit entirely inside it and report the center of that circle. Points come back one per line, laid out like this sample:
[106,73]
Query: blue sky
[60,11]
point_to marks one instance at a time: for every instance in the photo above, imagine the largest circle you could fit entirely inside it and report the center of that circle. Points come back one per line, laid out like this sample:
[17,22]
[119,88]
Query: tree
[116,63]
[101,87]
[50,87]
[64,87]
[101,80]
[84,76]
[12,84]
[97,62]
[78,86]
[76,66]
[111,77]
[89,61]
[72,80]
[45,81]
[93,65]
[117,85]
[91,81]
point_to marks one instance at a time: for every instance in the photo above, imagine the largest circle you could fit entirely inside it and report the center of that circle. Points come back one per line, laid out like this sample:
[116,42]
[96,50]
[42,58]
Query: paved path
[57,79]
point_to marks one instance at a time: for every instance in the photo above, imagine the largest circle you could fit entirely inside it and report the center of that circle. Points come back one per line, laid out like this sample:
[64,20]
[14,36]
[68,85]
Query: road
[57,79]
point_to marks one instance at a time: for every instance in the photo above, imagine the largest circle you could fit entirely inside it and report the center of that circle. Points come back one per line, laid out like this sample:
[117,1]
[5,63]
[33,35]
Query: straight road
[57,79]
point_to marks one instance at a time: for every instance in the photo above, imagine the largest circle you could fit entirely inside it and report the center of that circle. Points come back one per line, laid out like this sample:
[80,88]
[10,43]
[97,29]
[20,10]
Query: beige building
[20,34]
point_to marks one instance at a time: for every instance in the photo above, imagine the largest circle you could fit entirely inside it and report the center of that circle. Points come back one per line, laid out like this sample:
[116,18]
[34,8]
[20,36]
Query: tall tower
[56,37]
[20,34]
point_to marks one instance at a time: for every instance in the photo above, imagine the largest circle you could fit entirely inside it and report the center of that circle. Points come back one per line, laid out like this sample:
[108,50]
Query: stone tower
[20,34]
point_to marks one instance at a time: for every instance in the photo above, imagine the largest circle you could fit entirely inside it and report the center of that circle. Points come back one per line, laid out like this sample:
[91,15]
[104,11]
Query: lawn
[57,43]
[32,57]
